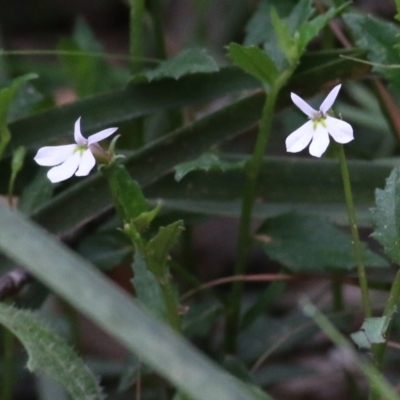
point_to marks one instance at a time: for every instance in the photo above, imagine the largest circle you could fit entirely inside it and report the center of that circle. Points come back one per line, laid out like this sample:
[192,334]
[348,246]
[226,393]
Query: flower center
[320,119]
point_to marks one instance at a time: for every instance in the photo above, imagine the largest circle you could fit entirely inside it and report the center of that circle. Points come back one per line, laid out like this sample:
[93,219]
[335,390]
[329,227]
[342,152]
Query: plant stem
[357,247]
[8,370]
[136,34]
[156,14]
[244,240]
[380,349]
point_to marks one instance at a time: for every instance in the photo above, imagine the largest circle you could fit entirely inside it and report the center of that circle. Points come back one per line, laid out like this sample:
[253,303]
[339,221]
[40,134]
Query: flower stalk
[357,246]
[244,240]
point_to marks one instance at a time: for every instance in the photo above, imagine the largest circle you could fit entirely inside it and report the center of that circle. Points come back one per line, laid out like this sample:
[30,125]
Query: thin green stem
[136,34]
[8,370]
[357,246]
[244,239]
[380,349]
[156,14]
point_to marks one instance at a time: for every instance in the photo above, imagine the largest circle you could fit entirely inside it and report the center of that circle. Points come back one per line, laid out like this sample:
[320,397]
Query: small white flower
[72,159]
[319,127]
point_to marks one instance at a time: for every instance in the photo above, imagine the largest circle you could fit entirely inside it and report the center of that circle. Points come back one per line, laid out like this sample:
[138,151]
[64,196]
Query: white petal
[82,141]
[330,99]
[307,109]
[86,163]
[300,138]
[342,132]
[320,141]
[54,155]
[97,137]
[65,170]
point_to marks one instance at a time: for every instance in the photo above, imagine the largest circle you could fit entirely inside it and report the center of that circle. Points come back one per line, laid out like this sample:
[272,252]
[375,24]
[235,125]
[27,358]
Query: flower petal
[54,155]
[97,137]
[330,99]
[320,141]
[307,109]
[300,138]
[341,131]
[66,169]
[82,141]
[86,163]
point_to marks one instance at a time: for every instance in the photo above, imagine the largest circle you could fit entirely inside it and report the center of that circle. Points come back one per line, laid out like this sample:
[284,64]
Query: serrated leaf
[284,36]
[305,243]
[310,30]
[380,39]
[127,194]
[386,216]
[254,61]
[372,331]
[147,287]
[206,162]
[49,354]
[157,249]
[189,61]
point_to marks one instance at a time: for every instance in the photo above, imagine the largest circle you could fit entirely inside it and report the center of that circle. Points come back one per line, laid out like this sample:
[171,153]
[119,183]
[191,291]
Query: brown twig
[12,282]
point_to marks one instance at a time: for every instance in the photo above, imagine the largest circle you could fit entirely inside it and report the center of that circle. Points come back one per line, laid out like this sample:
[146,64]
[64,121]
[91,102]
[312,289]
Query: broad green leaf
[254,61]
[206,162]
[304,185]
[299,15]
[386,216]
[305,243]
[189,61]
[113,108]
[113,310]
[127,194]
[373,331]
[157,249]
[147,288]
[49,354]
[380,39]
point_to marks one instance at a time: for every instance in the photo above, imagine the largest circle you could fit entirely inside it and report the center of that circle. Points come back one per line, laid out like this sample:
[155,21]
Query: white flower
[319,127]
[71,159]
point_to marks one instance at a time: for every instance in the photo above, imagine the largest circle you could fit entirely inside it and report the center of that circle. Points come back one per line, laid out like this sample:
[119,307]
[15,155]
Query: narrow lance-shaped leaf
[254,61]
[49,354]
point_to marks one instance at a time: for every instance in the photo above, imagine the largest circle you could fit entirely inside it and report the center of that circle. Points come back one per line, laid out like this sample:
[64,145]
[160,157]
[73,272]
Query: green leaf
[305,243]
[285,38]
[127,194]
[147,288]
[187,62]
[386,216]
[88,74]
[372,331]
[6,97]
[106,249]
[310,30]
[254,61]
[115,311]
[17,163]
[36,193]
[206,162]
[49,354]
[157,249]
[380,39]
